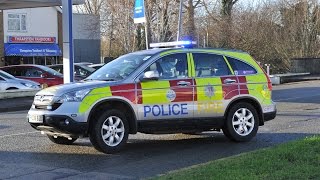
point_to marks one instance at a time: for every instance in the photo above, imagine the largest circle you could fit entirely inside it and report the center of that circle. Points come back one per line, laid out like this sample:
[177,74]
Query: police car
[163,90]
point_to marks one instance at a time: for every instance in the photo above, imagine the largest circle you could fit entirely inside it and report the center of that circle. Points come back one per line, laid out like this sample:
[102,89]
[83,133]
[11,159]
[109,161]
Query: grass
[294,160]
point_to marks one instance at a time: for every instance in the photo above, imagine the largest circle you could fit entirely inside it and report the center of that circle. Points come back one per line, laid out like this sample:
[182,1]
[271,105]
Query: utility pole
[111,33]
[179,21]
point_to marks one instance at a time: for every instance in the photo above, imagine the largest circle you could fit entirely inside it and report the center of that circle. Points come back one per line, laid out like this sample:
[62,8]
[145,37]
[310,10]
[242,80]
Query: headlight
[75,96]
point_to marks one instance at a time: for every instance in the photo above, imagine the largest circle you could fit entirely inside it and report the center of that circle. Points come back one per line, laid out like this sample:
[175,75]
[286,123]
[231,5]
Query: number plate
[35,119]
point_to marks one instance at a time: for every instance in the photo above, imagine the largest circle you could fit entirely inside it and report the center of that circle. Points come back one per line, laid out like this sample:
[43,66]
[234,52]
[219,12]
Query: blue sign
[139,12]
[32,50]
[166,110]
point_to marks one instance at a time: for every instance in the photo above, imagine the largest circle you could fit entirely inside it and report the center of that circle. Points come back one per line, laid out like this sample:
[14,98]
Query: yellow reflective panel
[155,92]
[94,96]
[258,87]
[103,90]
[209,89]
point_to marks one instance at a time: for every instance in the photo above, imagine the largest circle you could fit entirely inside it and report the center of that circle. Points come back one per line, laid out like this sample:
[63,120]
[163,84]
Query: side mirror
[44,75]
[150,75]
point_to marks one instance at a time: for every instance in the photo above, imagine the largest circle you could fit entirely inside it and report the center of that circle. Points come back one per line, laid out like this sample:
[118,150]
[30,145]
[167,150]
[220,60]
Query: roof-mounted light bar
[173,44]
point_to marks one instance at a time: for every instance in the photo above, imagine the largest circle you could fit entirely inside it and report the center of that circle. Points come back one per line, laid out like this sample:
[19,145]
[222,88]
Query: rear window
[241,68]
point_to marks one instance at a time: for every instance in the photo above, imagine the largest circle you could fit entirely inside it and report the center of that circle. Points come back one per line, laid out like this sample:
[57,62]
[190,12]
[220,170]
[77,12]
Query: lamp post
[67,42]
[179,20]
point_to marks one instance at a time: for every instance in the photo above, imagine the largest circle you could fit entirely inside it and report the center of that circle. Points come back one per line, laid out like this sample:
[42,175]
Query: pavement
[298,78]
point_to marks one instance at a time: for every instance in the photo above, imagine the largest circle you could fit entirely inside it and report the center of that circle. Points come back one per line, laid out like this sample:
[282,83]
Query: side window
[174,66]
[208,65]
[16,71]
[31,72]
[241,68]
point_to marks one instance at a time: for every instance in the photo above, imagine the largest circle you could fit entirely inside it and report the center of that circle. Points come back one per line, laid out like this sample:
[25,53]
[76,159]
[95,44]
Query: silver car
[9,82]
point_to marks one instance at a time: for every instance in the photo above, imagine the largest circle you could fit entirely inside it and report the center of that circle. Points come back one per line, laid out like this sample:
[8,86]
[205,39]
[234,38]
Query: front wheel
[242,122]
[62,140]
[110,132]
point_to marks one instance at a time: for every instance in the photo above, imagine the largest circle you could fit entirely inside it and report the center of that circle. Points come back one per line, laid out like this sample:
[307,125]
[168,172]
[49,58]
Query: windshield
[6,75]
[51,71]
[119,68]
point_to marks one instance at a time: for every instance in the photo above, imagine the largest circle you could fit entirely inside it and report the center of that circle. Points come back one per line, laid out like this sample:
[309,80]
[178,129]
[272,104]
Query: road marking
[18,134]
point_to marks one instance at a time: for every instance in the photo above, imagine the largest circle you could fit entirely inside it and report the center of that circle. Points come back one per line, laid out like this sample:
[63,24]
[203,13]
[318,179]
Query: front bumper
[63,119]
[61,125]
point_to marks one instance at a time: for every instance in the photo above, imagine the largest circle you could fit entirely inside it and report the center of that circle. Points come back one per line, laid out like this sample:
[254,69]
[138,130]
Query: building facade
[34,36]
[30,36]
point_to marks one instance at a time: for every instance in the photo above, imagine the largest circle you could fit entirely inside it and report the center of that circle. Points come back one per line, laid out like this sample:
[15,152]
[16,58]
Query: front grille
[44,107]
[43,98]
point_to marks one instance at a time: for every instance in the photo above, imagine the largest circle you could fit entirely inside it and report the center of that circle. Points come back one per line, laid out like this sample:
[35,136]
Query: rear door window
[33,72]
[241,68]
[208,65]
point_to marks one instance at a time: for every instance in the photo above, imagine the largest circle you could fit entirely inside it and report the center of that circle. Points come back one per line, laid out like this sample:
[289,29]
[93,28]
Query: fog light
[66,122]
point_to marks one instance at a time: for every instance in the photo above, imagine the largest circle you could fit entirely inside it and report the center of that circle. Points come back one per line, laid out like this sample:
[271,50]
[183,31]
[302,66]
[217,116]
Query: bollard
[268,69]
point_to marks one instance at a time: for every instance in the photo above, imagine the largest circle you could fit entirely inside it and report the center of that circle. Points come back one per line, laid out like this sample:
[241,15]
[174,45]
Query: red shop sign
[31,39]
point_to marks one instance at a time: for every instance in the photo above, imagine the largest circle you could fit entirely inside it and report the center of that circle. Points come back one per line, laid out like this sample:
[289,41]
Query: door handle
[183,83]
[229,81]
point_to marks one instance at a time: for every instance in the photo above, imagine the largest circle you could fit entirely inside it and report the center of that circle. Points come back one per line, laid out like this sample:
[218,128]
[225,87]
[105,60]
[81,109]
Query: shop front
[31,50]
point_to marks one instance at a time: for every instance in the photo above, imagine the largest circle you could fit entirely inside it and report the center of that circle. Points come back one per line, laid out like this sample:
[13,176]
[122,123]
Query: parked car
[80,71]
[84,63]
[96,66]
[38,73]
[9,82]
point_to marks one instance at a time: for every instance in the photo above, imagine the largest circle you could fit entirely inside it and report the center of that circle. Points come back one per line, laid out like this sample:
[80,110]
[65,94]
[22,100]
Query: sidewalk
[277,79]
[15,104]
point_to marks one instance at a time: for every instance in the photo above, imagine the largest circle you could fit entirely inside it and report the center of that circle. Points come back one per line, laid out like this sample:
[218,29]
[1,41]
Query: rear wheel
[242,122]
[110,132]
[62,140]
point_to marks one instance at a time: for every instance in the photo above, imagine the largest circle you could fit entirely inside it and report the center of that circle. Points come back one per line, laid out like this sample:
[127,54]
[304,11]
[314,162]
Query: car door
[170,96]
[34,74]
[215,85]
[3,84]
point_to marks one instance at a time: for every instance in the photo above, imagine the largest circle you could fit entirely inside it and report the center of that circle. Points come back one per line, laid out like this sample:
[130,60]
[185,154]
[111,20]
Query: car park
[179,90]
[37,73]
[9,82]
[81,71]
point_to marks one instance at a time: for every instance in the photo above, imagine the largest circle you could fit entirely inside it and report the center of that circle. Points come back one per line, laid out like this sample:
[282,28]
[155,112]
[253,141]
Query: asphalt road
[26,154]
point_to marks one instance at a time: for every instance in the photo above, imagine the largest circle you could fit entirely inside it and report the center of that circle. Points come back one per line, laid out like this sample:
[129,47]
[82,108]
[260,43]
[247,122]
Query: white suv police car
[158,91]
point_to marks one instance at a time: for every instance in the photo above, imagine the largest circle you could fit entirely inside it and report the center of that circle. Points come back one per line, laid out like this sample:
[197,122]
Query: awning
[32,50]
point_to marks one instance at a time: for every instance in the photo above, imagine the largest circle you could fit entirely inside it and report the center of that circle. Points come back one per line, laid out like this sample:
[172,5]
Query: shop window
[17,22]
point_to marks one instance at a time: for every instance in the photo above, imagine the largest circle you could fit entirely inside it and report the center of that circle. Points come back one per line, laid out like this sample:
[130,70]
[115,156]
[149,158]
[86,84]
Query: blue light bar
[173,44]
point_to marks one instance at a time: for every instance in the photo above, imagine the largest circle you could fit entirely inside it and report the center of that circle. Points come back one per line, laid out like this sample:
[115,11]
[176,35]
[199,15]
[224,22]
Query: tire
[62,140]
[110,132]
[242,122]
